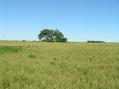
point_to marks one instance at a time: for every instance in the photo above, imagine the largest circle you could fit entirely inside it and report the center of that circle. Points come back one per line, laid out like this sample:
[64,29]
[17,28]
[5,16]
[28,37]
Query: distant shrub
[23,40]
[9,49]
[93,41]
[32,56]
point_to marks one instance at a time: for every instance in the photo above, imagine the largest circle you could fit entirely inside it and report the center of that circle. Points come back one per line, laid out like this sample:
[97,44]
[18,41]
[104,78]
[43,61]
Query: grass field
[36,65]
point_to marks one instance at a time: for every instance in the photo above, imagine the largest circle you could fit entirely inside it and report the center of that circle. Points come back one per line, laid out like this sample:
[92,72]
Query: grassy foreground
[35,65]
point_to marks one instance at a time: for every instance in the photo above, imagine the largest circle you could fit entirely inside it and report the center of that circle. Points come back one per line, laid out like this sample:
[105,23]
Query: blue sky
[79,20]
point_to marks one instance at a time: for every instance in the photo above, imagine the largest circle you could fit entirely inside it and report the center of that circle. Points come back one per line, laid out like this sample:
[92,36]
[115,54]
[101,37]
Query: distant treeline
[93,41]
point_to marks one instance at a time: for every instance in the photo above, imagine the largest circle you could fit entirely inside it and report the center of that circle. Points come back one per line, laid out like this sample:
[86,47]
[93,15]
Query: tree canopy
[50,35]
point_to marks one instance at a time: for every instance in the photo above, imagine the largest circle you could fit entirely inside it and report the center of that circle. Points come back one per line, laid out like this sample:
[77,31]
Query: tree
[49,35]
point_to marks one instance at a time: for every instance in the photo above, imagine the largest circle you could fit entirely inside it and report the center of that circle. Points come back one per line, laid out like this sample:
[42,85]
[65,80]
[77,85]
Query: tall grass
[9,49]
[59,66]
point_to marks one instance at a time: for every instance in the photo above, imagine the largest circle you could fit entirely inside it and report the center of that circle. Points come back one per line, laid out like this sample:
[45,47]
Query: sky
[78,20]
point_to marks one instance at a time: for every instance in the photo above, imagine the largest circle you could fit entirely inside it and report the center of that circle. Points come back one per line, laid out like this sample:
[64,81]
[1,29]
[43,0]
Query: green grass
[35,65]
[9,49]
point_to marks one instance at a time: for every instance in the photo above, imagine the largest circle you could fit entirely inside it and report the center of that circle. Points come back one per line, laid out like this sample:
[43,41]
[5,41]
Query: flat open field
[36,65]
